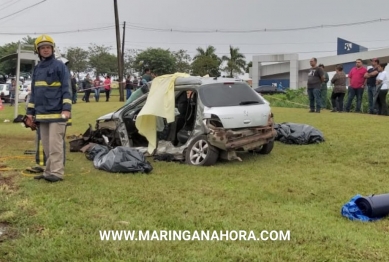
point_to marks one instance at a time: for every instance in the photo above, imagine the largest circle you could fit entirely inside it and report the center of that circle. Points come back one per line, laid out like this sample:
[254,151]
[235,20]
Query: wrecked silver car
[214,118]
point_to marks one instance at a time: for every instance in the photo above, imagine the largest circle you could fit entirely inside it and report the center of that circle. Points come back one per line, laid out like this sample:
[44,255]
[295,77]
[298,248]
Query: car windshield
[229,94]
[4,87]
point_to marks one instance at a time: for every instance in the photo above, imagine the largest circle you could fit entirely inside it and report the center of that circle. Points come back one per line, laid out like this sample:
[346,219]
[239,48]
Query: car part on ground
[300,134]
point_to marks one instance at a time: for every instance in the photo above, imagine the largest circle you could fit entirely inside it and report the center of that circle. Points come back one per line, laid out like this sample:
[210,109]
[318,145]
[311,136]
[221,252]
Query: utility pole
[124,39]
[119,56]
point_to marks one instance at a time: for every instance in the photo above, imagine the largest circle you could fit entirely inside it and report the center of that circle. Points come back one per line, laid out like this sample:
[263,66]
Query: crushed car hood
[107,116]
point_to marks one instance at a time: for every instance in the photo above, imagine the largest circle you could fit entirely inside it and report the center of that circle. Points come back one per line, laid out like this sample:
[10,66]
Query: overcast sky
[202,15]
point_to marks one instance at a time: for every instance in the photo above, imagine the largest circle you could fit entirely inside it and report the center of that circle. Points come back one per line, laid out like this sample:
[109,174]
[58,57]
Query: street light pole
[119,56]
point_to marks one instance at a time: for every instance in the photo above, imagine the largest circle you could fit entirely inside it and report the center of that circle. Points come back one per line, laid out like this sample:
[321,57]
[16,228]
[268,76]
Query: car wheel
[201,153]
[266,148]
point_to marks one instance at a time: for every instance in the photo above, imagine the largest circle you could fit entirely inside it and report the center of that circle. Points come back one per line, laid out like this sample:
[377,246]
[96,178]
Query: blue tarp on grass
[351,211]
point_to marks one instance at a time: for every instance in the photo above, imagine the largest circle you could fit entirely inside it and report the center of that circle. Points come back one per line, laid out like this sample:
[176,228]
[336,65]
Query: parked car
[269,90]
[5,93]
[215,118]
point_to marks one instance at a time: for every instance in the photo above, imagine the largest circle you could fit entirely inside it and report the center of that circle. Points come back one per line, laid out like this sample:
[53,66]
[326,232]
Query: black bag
[118,160]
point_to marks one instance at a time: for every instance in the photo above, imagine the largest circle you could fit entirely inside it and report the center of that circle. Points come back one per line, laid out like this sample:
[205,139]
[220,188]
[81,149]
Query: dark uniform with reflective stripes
[40,157]
[50,95]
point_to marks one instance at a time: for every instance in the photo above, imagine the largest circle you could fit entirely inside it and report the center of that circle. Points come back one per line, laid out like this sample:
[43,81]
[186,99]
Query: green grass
[296,188]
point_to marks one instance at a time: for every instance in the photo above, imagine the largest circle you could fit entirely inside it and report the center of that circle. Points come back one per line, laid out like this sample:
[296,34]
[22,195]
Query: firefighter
[50,106]
[40,156]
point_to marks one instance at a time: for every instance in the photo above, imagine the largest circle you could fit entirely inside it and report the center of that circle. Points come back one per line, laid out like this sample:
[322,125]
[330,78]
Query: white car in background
[5,93]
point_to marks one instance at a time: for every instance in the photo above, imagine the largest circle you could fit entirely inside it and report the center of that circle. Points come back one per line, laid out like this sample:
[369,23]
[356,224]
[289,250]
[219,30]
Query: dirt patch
[6,232]
[8,181]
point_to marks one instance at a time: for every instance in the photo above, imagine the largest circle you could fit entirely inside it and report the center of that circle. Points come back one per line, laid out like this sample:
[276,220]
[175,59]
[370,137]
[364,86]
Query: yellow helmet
[43,40]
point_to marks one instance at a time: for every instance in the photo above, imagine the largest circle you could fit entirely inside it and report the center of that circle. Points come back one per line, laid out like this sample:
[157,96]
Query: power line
[11,4]
[52,25]
[31,6]
[256,44]
[155,29]
[6,3]
[219,44]
[139,47]
[62,32]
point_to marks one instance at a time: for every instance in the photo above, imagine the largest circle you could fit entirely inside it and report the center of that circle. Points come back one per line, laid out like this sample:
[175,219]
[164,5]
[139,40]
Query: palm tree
[249,64]
[208,52]
[235,63]
[28,40]
[206,62]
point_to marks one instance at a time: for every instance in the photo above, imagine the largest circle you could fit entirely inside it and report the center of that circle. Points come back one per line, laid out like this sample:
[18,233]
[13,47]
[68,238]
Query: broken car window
[229,94]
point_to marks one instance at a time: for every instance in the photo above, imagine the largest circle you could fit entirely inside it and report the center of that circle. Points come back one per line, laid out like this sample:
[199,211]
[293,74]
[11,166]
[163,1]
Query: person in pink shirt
[356,86]
[107,87]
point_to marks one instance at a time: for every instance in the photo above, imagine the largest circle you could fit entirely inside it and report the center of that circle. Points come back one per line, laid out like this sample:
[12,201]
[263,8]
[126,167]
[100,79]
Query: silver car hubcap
[199,152]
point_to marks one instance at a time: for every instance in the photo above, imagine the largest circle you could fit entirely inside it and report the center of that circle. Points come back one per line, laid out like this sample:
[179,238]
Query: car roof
[197,81]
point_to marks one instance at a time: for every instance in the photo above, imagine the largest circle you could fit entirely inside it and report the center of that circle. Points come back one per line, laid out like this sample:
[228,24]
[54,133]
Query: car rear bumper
[241,139]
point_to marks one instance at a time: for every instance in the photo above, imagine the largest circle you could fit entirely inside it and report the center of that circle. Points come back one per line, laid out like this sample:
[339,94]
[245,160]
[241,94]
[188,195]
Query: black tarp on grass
[299,134]
[118,160]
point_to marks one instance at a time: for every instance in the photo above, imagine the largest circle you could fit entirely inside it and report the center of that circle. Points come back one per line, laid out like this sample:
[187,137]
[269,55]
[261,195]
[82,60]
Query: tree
[8,67]
[235,63]
[28,40]
[158,60]
[209,51]
[102,61]
[250,64]
[183,60]
[78,59]
[206,62]
[129,60]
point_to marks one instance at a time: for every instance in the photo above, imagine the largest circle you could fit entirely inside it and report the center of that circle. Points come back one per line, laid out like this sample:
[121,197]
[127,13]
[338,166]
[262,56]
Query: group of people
[375,80]
[132,85]
[88,86]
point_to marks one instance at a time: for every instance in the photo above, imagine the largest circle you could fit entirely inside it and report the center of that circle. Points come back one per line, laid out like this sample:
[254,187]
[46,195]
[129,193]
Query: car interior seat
[184,133]
[182,107]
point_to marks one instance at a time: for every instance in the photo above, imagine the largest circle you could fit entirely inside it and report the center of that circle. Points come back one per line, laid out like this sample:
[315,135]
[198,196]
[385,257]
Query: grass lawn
[296,188]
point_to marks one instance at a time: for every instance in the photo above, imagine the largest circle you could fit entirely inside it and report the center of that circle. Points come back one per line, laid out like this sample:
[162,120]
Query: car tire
[265,149]
[201,153]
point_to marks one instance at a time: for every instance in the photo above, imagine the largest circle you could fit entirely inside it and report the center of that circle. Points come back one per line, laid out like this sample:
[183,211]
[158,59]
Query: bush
[299,99]
[292,99]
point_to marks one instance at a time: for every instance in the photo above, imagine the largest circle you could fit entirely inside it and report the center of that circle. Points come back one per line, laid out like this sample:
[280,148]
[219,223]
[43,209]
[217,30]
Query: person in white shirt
[382,90]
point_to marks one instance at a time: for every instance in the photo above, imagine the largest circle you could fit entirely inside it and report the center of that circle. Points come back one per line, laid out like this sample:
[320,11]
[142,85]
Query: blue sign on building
[348,47]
